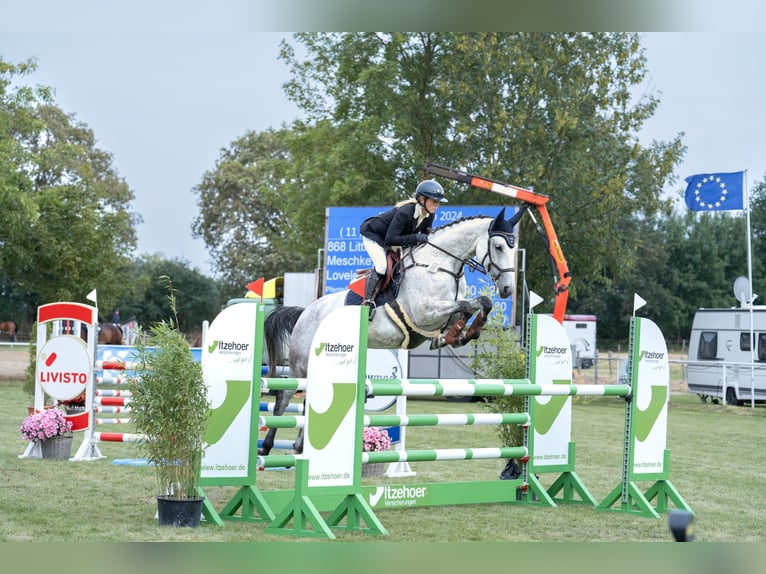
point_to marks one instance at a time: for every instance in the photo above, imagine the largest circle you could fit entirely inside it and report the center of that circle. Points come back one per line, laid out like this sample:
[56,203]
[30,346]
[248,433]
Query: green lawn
[716,464]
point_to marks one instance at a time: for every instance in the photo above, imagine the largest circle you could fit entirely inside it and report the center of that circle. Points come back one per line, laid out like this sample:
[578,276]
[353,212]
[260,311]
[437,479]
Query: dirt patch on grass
[13,364]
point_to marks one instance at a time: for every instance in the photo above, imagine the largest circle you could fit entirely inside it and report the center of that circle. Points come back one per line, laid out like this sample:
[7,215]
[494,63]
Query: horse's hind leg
[455,324]
[454,334]
[280,404]
[298,444]
[479,321]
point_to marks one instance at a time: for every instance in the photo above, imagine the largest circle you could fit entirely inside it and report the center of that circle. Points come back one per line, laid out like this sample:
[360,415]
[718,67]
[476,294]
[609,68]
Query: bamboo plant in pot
[170,408]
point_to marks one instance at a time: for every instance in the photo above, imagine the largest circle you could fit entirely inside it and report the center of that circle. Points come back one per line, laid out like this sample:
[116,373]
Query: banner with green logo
[228,367]
[332,441]
[650,383]
[551,363]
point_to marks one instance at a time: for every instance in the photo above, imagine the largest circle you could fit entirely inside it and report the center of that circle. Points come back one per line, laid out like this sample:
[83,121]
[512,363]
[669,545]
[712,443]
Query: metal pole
[752,295]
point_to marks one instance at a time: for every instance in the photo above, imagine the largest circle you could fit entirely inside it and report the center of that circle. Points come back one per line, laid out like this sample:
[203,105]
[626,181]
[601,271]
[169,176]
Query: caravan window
[744,341]
[762,346]
[708,347]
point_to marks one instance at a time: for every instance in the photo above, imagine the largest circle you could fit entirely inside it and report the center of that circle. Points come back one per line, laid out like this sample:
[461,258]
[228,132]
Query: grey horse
[430,303]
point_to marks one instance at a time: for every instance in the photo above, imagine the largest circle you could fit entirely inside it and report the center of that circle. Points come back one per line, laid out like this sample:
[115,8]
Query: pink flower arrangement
[375,438]
[44,425]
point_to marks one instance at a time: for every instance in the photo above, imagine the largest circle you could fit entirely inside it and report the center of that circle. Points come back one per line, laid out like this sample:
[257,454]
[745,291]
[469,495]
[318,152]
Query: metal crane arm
[561,274]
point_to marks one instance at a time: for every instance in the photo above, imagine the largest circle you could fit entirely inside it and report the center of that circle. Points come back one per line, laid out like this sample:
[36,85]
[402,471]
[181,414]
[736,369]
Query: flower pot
[182,512]
[374,469]
[57,447]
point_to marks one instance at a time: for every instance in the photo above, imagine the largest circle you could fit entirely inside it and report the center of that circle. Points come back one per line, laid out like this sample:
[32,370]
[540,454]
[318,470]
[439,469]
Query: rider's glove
[421,238]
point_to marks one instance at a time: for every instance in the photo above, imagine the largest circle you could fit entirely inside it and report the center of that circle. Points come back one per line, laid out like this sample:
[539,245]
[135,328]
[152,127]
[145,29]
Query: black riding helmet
[431,189]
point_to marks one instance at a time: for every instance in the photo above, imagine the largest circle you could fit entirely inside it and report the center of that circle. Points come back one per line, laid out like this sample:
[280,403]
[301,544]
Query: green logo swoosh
[540,350]
[546,415]
[322,426]
[646,418]
[237,393]
[212,347]
[319,349]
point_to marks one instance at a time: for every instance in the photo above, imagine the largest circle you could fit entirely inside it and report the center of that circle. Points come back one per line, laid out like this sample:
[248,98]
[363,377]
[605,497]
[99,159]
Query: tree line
[556,113]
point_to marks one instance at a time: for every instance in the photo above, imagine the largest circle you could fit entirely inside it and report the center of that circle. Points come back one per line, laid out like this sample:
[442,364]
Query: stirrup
[371,304]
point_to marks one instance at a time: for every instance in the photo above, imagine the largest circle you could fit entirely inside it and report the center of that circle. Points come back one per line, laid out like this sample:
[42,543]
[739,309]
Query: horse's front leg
[280,405]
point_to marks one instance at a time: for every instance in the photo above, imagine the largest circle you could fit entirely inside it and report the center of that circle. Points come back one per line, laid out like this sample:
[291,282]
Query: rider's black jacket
[396,227]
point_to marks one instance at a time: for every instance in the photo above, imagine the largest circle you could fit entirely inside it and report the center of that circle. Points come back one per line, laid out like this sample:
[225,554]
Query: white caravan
[720,355]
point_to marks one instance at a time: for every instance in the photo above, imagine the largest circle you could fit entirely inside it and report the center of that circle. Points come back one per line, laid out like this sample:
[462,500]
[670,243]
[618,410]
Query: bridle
[471,262]
[487,269]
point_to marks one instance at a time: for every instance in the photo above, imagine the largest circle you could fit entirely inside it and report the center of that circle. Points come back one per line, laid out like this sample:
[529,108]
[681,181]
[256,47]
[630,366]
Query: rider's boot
[369,291]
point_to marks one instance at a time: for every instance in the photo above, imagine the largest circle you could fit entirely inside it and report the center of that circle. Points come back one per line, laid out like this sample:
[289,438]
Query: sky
[165,104]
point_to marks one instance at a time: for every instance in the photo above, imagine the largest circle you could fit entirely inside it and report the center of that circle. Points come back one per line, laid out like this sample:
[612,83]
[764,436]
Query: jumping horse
[429,304]
[11,328]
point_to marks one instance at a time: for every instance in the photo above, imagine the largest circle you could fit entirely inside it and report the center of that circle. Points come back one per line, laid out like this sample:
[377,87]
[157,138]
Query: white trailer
[581,330]
[719,366]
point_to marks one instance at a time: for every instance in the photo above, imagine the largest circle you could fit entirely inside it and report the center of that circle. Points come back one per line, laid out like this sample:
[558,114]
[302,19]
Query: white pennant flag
[638,302]
[534,299]
[92,297]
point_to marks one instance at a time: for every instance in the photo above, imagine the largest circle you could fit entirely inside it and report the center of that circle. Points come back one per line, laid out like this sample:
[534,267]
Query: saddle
[387,288]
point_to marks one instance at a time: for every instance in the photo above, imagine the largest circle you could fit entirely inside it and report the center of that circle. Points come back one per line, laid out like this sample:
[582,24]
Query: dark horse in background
[11,328]
[109,334]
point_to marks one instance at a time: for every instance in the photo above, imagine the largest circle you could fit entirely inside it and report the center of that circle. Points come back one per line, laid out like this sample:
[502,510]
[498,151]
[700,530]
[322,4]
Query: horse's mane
[457,222]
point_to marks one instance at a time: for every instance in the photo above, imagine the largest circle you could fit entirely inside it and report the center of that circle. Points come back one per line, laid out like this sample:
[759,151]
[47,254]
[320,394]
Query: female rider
[408,223]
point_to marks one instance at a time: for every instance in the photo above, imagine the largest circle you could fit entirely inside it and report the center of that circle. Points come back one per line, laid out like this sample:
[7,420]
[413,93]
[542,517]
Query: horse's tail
[277,328]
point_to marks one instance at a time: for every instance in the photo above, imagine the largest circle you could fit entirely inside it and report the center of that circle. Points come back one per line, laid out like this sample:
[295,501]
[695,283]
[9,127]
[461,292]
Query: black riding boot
[369,290]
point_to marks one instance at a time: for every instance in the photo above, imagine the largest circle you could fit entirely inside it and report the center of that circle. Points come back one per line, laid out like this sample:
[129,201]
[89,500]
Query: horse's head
[498,255]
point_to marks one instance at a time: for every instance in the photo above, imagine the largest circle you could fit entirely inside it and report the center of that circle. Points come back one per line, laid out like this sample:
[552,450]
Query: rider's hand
[421,238]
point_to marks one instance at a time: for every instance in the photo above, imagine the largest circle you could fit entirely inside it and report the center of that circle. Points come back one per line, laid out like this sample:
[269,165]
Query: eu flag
[715,191]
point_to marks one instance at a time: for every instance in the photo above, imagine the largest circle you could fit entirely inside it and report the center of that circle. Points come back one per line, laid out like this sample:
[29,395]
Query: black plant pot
[179,512]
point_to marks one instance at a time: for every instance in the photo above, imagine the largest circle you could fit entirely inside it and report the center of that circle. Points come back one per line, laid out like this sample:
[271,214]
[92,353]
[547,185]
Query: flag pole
[752,295]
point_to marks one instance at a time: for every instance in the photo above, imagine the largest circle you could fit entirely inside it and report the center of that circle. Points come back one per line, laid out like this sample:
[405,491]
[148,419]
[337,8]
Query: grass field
[717,459]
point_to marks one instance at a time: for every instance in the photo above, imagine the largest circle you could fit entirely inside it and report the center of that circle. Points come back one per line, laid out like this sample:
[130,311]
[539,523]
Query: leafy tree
[552,112]
[69,214]
[684,261]
[549,111]
[242,219]
[197,297]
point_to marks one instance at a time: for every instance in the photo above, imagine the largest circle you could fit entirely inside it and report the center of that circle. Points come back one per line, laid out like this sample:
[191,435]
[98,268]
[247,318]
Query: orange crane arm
[561,274]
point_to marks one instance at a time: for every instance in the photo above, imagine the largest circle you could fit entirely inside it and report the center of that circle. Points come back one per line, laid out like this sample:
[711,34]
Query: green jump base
[639,503]
[248,501]
[572,489]
[208,510]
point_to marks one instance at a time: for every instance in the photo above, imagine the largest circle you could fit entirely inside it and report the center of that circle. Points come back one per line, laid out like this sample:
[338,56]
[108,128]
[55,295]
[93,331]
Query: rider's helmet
[432,189]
